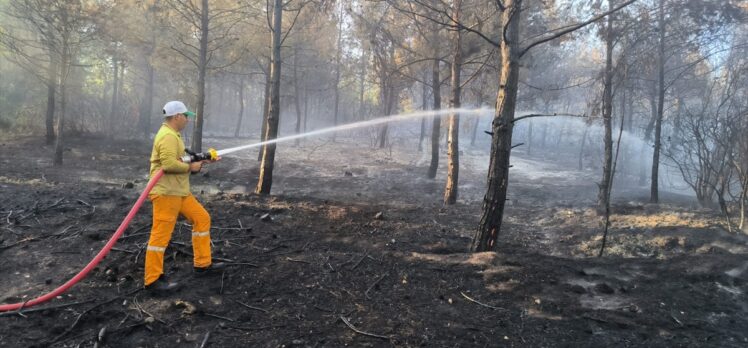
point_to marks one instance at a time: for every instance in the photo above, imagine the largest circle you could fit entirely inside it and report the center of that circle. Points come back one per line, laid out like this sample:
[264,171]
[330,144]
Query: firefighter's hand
[196,166]
[207,161]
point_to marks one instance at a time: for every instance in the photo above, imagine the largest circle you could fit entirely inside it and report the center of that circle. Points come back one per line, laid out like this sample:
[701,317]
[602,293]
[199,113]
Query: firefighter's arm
[167,152]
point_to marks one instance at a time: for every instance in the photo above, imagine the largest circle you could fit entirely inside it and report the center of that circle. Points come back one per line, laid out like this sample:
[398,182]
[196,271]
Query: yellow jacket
[168,148]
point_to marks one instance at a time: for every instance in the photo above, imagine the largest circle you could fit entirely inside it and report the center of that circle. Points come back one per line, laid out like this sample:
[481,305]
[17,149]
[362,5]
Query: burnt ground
[672,275]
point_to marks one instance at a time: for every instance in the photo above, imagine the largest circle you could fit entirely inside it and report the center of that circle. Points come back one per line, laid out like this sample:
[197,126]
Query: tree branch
[568,29]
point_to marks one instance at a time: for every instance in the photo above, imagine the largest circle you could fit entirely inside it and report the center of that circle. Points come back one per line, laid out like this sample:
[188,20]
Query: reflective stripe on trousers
[166,210]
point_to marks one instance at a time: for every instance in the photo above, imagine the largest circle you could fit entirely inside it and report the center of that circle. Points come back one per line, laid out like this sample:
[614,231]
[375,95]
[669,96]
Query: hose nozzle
[210,155]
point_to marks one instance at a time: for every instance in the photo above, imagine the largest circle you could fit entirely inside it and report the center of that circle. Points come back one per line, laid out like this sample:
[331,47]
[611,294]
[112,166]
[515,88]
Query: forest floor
[326,263]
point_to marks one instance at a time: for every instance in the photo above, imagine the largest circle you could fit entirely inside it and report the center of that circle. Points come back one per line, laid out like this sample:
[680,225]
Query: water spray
[362,124]
[213,154]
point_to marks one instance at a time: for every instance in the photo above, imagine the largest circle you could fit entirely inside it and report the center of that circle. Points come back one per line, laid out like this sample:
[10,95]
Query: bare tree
[215,32]
[267,165]
[48,37]
[501,144]
[265,181]
[607,114]
[453,152]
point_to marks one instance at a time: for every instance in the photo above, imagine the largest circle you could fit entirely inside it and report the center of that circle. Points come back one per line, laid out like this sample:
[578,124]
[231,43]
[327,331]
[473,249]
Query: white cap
[176,107]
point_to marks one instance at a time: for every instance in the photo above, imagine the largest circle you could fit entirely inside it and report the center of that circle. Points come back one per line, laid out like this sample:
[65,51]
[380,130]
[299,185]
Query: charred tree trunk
[387,100]
[268,154]
[115,94]
[265,109]
[424,106]
[241,108]
[453,148]
[582,146]
[476,120]
[52,70]
[64,71]
[338,52]
[604,186]
[296,92]
[436,121]
[197,134]
[362,82]
[306,106]
[146,107]
[502,126]
[654,190]
[529,138]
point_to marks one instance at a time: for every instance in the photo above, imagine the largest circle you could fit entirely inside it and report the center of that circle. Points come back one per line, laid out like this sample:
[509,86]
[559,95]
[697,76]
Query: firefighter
[171,197]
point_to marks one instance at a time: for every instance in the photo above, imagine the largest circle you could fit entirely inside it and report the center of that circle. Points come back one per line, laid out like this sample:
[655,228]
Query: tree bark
[306,106]
[424,107]
[364,63]
[502,126]
[52,71]
[146,107]
[529,138]
[241,108]
[387,109]
[436,121]
[297,93]
[115,94]
[476,119]
[654,190]
[268,154]
[64,71]
[607,110]
[453,148]
[197,135]
[338,52]
[265,108]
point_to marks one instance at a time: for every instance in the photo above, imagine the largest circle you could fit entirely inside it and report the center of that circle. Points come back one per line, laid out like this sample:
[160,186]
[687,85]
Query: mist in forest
[665,74]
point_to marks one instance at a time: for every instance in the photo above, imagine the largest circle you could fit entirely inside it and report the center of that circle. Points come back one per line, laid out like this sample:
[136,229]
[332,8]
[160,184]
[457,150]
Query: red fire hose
[100,256]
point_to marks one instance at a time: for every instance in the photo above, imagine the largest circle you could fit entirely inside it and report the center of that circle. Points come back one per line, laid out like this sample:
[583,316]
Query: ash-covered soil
[355,248]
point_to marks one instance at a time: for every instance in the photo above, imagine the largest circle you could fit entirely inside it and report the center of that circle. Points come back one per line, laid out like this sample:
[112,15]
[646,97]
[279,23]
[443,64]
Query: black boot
[162,285]
[214,268]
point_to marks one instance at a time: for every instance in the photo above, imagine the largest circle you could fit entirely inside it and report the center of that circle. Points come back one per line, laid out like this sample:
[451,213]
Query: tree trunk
[197,134]
[219,109]
[364,63]
[529,138]
[581,147]
[296,93]
[502,126]
[654,190]
[265,109]
[388,95]
[387,104]
[453,148]
[306,106]
[52,70]
[436,121]
[147,103]
[268,154]
[424,107]
[477,120]
[241,108]
[339,50]
[115,93]
[604,186]
[64,71]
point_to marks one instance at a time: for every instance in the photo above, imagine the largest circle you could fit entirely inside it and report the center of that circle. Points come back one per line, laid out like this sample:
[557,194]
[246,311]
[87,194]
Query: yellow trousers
[166,209]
